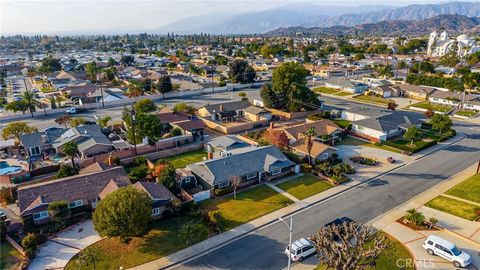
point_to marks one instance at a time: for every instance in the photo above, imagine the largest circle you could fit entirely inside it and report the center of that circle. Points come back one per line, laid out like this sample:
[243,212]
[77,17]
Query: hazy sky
[57,16]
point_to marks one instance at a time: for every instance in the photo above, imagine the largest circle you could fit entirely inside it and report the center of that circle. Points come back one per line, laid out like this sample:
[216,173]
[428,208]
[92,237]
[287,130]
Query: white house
[346,85]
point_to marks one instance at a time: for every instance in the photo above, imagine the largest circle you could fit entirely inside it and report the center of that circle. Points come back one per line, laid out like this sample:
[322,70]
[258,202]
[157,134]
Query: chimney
[209,152]
[210,155]
[221,107]
[272,125]
[44,138]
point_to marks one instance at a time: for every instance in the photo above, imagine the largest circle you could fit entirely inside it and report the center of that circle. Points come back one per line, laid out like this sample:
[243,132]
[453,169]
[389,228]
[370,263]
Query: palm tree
[31,101]
[70,149]
[309,135]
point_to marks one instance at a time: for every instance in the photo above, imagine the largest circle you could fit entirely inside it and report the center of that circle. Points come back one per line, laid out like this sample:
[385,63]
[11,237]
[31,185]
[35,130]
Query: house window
[275,171]
[251,175]
[35,150]
[40,215]
[155,211]
[325,155]
[223,184]
[75,204]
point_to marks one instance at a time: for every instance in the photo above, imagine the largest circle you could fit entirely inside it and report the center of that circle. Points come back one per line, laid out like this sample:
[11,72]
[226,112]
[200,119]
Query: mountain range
[308,15]
[450,23]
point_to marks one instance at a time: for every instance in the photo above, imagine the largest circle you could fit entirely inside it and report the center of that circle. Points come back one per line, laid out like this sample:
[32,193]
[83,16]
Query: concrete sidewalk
[462,232]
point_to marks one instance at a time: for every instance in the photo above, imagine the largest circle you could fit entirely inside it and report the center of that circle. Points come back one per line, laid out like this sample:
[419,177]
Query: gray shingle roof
[228,106]
[226,142]
[35,139]
[389,122]
[254,159]
[85,135]
[85,187]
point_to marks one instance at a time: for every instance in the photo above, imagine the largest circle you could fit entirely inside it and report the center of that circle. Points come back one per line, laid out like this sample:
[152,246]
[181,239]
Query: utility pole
[290,232]
[101,91]
[478,167]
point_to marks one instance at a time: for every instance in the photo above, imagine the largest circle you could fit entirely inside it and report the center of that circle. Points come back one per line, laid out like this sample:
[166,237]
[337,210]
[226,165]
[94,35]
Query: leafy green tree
[441,122]
[59,212]
[176,132]
[192,232]
[70,149]
[123,213]
[91,69]
[167,177]
[359,56]
[184,107]
[127,60]
[164,85]
[413,134]
[17,106]
[15,130]
[64,120]
[138,173]
[451,59]
[77,121]
[111,62]
[103,121]
[241,72]
[144,106]
[49,65]
[65,171]
[243,95]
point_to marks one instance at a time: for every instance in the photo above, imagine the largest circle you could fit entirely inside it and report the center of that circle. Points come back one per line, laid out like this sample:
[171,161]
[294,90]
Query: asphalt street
[263,249]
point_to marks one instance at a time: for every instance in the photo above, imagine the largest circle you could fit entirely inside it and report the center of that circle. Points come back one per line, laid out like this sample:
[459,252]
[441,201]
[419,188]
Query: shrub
[6,196]
[176,132]
[292,156]
[364,161]
[30,245]
[192,232]
[414,217]
[306,168]
[65,171]
[59,211]
[138,173]
[140,161]
[223,191]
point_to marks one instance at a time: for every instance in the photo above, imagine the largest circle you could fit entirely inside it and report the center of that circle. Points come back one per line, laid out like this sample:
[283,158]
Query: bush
[292,156]
[30,245]
[192,232]
[414,217]
[306,168]
[176,132]
[65,171]
[138,161]
[364,161]
[138,173]
[223,191]
[6,196]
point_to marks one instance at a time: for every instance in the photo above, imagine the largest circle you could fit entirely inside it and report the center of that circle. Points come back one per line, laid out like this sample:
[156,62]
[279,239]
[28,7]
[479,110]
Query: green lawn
[326,90]
[349,140]
[304,186]
[10,258]
[468,189]
[342,123]
[434,107]
[161,241]
[454,207]
[249,205]
[387,259]
[182,160]
[467,113]
[374,99]
[342,94]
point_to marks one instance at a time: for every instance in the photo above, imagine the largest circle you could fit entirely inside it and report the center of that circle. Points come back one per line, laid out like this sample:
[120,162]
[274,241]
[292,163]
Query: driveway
[56,252]
[364,172]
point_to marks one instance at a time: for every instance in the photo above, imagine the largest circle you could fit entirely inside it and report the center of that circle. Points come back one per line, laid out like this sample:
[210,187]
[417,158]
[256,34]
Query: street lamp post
[290,230]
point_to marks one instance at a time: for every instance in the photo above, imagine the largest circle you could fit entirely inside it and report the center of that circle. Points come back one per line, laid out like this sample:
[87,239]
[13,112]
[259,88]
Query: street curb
[463,136]
[208,251]
[236,238]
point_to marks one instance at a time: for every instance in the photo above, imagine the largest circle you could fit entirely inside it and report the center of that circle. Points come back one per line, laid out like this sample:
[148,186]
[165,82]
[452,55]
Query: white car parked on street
[301,249]
[438,246]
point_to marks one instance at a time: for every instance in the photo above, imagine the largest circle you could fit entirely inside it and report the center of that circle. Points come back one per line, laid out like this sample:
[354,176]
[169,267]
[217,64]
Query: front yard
[10,258]
[455,207]
[326,90]
[434,107]
[343,94]
[182,160]
[370,99]
[162,240]
[468,189]
[249,205]
[342,123]
[304,186]
[466,113]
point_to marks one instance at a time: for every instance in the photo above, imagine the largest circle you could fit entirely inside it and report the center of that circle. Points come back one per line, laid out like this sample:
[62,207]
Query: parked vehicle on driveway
[300,249]
[436,245]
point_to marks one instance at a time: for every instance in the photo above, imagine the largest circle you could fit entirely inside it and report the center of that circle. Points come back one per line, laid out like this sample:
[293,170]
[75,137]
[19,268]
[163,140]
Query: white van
[438,246]
[301,249]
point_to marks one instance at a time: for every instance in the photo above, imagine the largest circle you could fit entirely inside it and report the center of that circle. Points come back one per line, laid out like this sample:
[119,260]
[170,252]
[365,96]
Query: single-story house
[224,112]
[40,143]
[417,92]
[188,125]
[160,195]
[82,192]
[251,164]
[384,127]
[346,85]
[90,140]
[446,98]
[186,179]
[323,128]
[359,113]
[226,143]
[385,91]
[255,114]
[319,151]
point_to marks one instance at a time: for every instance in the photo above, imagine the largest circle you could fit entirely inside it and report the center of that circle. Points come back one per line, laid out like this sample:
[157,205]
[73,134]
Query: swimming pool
[10,170]
[4,164]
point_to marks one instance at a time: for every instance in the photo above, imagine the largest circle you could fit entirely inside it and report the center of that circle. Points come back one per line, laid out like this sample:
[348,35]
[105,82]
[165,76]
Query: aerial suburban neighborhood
[275,136]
